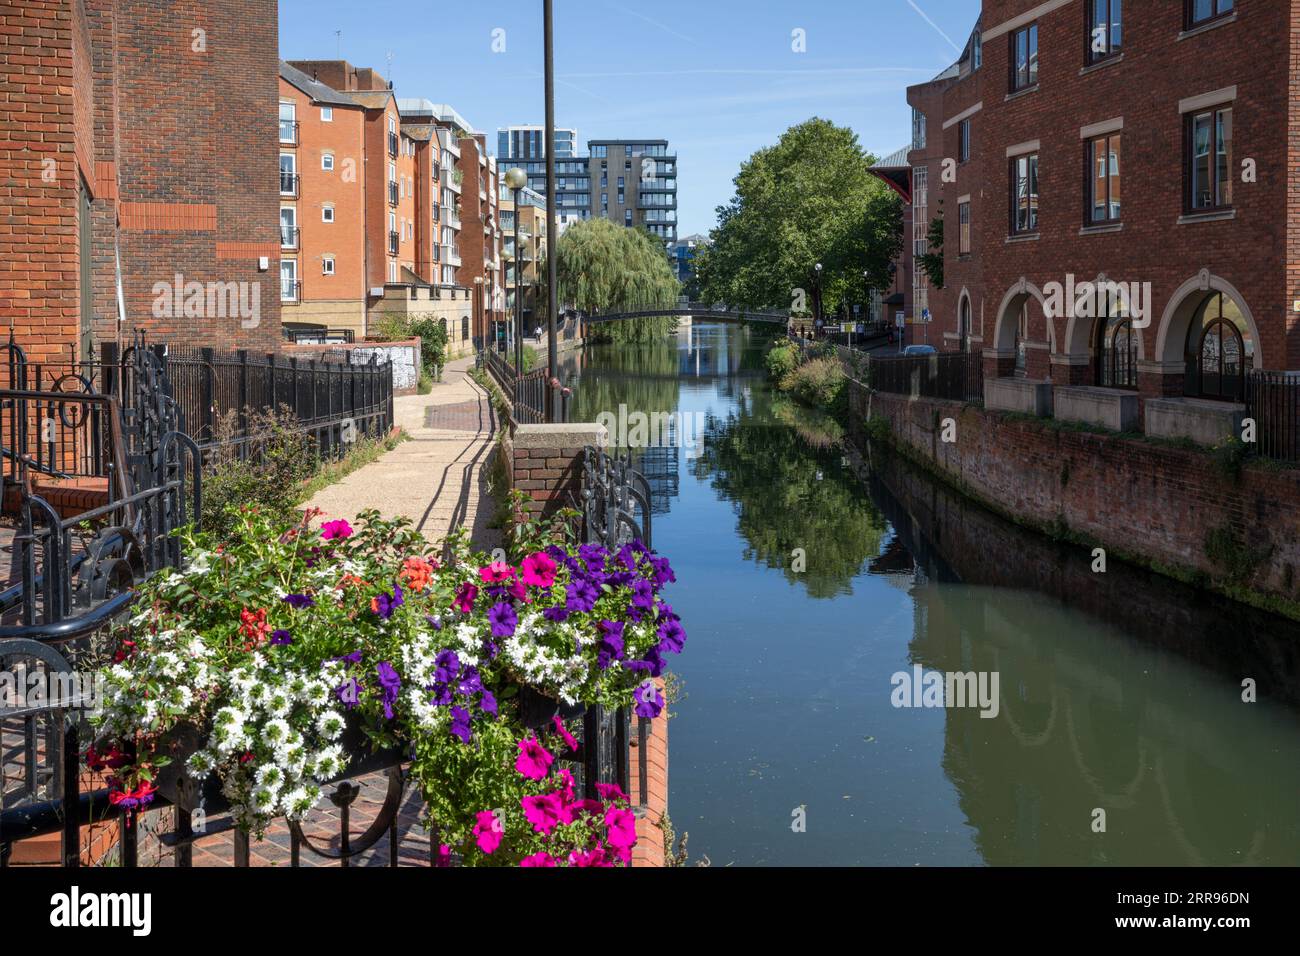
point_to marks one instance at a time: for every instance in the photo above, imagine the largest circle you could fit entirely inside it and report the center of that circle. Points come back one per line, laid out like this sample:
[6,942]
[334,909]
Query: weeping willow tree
[603,266]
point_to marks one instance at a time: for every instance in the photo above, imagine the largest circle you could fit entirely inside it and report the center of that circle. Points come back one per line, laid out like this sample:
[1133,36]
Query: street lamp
[517,179]
[552,229]
[817,297]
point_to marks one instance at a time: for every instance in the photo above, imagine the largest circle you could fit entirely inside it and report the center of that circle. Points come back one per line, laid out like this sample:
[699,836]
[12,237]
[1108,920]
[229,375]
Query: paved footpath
[437,478]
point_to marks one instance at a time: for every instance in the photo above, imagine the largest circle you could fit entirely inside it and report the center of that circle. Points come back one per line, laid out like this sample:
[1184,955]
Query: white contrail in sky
[921,12]
[655,23]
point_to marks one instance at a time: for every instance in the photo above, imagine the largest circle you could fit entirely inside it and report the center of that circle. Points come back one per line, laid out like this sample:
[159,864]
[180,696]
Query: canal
[814,576]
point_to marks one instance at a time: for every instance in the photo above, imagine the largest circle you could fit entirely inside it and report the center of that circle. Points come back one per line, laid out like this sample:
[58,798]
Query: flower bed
[248,666]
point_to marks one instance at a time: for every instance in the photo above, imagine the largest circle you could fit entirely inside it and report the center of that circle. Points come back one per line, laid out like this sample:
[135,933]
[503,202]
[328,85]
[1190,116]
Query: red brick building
[137,153]
[1118,190]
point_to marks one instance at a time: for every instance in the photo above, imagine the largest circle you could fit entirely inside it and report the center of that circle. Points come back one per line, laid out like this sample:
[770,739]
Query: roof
[420,132]
[318,91]
[370,99]
[417,106]
[895,160]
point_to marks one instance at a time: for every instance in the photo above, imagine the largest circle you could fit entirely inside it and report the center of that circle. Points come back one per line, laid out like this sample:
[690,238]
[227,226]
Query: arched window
[1220,352]
[1115,349]
[1022,334]
[464,327]
[963,325]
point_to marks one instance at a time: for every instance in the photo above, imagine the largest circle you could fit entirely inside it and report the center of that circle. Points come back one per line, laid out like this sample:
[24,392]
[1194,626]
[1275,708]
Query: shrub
[433,343]
[818,382]
[781,361]
[265,471]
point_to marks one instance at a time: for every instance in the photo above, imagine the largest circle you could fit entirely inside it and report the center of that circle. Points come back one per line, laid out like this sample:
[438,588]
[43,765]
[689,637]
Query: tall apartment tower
[634,182]
[525,147]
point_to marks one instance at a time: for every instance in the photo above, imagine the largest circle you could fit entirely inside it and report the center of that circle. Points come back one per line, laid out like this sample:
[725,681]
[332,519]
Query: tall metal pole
[552,230]
[519,305]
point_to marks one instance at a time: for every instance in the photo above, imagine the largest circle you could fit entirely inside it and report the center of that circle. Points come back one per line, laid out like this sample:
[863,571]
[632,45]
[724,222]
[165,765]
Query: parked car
[920,350]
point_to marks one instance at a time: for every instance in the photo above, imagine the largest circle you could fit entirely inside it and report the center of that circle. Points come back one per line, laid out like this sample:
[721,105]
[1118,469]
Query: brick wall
[1251,253]
[546,462]
[1157,504]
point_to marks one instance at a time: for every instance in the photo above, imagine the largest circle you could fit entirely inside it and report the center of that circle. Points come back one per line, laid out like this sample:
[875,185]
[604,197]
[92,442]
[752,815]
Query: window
[288,227]
[1202,11]
[1024,194]
[288,124]
[327,162]
[620,182]
[918,129]
[327,213]
[1209,175]
[963,224]
[288,175]
[963,141]
[964,324]
[1105,29]
[327,266]
[1220,351]
[1103,180]
[1115,348]
[1022,338]
[627,217]
[327,114]
[1024,58]
[289,280]
[977,53]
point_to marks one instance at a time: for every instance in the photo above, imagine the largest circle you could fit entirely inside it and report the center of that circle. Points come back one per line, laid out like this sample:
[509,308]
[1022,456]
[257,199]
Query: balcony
[451,216]
[393,240]
[288,133]
[451,255]
[455,181]
[290,290]
[288,236]
[392,144]
[289,184]
[392,194]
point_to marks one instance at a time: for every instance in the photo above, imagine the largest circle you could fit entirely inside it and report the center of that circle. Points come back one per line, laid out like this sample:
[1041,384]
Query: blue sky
[717,78]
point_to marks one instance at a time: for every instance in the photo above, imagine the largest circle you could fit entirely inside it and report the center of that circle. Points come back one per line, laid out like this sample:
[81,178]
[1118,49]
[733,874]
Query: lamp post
[517,179]
[552,229]
[817,299]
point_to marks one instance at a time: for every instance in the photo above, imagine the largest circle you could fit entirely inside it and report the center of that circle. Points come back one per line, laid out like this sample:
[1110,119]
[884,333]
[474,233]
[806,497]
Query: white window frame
[327,265]
[327,162]
[327,212]
[327,114]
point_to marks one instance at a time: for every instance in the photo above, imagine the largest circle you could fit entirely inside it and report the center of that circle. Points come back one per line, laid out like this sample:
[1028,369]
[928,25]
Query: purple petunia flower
[460,724]
[503,619]
[662,572]
[353,658]
[487,702]
[448,667]
[593,555]
[581,596]
[556,614]
[652,662]
[672,637]
[441,694]
[649,702]
[435,621]
[470,682]
[611,643]
[348,693]
[299,601]
[384,605]
[281,636]
[391,684]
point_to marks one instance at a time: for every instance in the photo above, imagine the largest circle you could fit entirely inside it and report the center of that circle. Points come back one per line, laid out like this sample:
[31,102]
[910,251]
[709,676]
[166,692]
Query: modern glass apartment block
[525,146]
[645,171]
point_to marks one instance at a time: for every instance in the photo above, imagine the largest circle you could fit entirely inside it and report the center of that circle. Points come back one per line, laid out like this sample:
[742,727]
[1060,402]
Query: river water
[814,577]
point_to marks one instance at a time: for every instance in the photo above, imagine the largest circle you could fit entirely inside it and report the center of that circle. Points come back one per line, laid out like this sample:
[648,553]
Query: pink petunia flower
[594,857]
[332,530]
[543,812]
[534,761]
[539,570]
[444,857]
[574,811]
[488,832]
[496,572]
[538,859]
[610,791]
[465,598]
[564,734]
[621,832]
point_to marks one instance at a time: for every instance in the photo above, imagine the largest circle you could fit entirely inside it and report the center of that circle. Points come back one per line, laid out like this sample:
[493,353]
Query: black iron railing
[698,310]
[288,184]
[1273,401]
[527,393]
[958,376]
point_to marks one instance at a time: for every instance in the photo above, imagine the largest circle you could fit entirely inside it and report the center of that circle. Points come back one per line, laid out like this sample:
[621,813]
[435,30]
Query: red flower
[253,627]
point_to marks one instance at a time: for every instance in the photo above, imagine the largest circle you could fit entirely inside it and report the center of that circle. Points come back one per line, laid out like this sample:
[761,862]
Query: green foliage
[819,383]
[433,343]
[781,361]
[931,262]
[879,429]
[604,266]
[527,533]
[790,496]
[276,460]
[1230,456]
[807,199]
[390,327]
[1225,549]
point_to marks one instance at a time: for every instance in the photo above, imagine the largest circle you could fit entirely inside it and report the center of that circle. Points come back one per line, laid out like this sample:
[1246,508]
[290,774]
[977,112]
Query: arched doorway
[1219,350]
[1115,350]
[964,324]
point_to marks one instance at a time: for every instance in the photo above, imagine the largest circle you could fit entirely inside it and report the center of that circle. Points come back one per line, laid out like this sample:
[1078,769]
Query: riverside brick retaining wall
[1173,508]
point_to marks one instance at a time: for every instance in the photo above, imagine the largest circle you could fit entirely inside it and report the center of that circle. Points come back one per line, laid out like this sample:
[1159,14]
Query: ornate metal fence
[527,393]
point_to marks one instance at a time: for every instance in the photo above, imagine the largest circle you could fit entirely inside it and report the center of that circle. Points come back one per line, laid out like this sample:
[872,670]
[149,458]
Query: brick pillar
[546,462]
[649,849]
[999,363]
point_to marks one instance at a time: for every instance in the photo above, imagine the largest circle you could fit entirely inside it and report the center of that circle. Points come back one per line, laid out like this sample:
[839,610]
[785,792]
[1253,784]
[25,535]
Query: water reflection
[1118,691]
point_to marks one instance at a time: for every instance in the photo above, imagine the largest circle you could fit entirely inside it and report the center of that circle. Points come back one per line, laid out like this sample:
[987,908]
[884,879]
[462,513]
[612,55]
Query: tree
[931,262]
[808,199]
[603,266]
